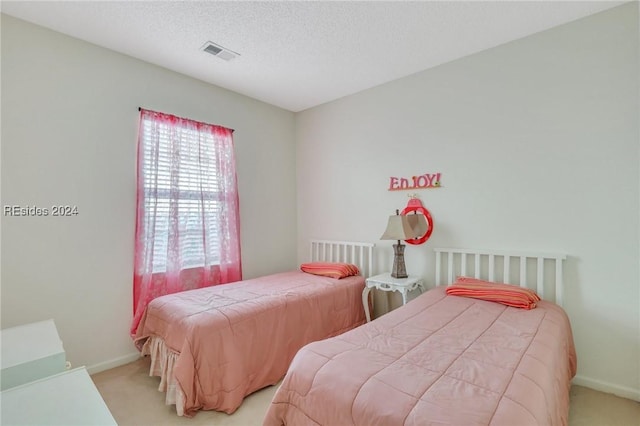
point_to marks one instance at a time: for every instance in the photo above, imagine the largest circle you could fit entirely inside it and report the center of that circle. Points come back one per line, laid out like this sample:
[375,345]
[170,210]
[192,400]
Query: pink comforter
[438,360]
[234,339]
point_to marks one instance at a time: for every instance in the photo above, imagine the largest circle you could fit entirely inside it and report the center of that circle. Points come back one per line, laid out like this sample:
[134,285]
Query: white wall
[69,128]
[537,142]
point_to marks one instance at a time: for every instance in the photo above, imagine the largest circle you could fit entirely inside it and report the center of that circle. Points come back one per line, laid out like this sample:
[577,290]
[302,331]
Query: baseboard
[113,363]
[606,387]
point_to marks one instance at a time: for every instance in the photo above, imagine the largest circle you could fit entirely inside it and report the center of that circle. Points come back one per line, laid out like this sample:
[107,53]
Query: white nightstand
[386,282]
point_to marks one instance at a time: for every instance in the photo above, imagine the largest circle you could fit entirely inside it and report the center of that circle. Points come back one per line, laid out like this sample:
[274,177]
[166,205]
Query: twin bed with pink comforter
[439,360]
[215,345]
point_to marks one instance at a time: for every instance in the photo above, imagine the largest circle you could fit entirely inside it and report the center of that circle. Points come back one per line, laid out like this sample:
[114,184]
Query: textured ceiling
[297,55]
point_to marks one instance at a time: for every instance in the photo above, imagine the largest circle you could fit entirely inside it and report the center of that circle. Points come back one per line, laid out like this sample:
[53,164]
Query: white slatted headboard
[359,254]
[518,268]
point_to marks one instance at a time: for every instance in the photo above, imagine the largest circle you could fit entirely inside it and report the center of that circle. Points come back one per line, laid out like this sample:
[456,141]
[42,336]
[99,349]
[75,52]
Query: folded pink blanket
[507,294]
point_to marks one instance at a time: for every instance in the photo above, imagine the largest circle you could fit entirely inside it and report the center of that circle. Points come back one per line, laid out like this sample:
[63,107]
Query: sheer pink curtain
[187,224]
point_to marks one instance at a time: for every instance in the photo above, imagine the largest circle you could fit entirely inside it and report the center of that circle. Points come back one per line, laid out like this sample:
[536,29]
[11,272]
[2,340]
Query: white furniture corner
[386,282]
[30,352]
[69,399]
[36,386]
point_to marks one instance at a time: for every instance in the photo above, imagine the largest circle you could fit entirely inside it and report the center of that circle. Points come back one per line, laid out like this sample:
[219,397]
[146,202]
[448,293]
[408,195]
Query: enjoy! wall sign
[427,180]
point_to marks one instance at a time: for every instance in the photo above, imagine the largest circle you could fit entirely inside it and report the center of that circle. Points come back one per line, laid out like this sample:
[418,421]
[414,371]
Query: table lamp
[402,227]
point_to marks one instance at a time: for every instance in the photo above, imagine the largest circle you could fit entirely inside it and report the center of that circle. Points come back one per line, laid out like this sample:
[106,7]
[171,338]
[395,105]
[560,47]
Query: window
[187,220]
[185,186]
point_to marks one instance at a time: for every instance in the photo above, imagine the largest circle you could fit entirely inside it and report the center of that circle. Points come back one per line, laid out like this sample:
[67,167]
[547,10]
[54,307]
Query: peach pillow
[330,269]
[505,294]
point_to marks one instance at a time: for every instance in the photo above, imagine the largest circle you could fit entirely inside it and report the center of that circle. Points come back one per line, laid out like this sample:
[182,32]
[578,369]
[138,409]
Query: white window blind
[182,200]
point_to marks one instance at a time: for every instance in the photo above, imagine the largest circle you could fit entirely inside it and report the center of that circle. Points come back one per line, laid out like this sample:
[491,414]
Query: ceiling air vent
[219,51]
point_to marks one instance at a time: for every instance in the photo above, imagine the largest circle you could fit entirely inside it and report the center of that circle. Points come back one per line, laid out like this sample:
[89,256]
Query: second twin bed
[443,359]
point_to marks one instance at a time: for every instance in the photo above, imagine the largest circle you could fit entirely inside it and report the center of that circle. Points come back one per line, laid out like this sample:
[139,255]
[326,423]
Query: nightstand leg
[365,303]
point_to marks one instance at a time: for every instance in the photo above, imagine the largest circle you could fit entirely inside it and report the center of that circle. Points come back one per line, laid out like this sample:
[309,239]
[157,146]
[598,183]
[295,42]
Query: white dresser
[65,399]
[30,352]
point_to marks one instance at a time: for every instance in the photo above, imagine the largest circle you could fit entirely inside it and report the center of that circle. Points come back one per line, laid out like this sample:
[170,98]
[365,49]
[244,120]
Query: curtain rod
[208,124]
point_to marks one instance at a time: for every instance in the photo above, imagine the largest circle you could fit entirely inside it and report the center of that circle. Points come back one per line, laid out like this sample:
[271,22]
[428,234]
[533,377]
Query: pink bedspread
[234,339]
[439,360]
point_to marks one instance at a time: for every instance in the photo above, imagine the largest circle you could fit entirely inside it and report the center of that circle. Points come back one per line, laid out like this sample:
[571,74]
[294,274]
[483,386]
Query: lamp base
[399,270]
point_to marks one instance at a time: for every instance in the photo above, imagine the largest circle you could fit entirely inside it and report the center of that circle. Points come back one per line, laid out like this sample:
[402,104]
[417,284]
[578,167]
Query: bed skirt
[163,360]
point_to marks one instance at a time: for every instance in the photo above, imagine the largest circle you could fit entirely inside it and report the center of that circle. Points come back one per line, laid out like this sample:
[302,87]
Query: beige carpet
[133,399]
